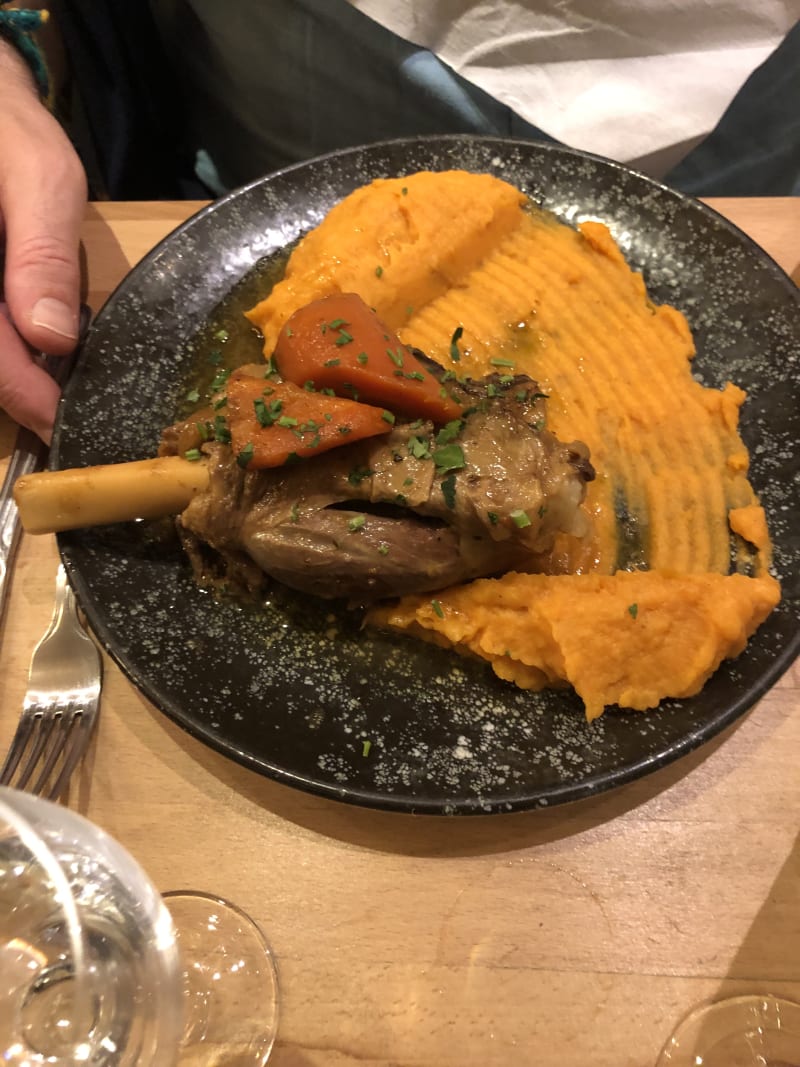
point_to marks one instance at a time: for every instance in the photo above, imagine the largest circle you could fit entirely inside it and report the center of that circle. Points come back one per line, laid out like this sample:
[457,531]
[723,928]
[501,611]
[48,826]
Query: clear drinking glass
[97,968]
[754,1030]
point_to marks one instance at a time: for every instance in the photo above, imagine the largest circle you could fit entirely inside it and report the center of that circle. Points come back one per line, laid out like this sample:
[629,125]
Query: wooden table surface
[571,937]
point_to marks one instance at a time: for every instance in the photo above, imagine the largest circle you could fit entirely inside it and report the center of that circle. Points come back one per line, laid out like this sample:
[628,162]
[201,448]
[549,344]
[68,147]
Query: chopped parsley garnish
[193,396]
[336,324]
[356,523]
[358,474]
[362,358]
[215,357]
[418,448]
[493,517]
[502,363]
[344,338]
[455,355]
[407,482]
[287,421]
[449,458]
[387,416]
[404,191]
[416,375]
[272,368]
[365,747]
[491,390]
[192,454]
[343,430]
[204,430]
[289,331]
[395,357]
[449,491]
[437,607]
[327,392]
[520,518]
[383,549]
[221,335]
[409,311]
[294,514]
[221,431]
[633,610]
[309,387]
[266,414]
[332,362]
[539,396]
[378,272]
[221,403]
[542,510]
[220,380]
[245,455]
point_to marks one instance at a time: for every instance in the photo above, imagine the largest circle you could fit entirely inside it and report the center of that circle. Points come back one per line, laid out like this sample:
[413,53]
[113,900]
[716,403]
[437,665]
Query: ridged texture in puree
[431,252]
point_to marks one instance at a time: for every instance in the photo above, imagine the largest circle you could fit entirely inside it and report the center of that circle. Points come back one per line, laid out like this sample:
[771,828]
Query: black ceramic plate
[296,693]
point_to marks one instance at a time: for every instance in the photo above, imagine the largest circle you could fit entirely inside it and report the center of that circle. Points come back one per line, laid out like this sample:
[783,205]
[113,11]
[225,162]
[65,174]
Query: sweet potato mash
[673,576]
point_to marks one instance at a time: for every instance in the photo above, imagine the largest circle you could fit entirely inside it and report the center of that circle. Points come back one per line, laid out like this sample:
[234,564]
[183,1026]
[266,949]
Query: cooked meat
[409,512]
[518,481]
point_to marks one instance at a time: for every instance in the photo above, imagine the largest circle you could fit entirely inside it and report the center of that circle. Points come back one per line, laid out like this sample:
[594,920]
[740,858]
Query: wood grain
[576,936]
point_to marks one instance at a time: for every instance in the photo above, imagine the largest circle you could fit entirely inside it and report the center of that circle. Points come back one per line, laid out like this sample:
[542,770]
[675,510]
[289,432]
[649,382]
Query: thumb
[27,392]
[43,193]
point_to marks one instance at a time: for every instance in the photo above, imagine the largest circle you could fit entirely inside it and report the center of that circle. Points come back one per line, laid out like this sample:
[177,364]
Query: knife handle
[28,456]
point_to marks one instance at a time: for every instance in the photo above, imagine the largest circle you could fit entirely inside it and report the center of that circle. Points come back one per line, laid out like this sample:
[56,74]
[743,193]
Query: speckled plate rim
[552,795]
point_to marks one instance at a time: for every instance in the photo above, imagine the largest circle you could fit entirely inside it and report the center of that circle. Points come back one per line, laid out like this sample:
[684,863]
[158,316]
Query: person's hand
[42,199]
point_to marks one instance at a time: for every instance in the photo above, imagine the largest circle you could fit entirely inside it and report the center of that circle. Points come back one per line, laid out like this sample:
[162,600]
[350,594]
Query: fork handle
[29,454]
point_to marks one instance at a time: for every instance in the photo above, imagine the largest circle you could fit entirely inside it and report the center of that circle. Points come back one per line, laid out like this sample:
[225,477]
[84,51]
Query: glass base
[230,981]
[747,1031]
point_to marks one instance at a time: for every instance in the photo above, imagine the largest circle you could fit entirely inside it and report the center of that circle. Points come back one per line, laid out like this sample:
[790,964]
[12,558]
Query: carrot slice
[340,343]
[271,421]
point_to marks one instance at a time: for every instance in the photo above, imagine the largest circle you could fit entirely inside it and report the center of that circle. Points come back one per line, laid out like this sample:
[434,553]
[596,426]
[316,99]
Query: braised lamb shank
[409,512]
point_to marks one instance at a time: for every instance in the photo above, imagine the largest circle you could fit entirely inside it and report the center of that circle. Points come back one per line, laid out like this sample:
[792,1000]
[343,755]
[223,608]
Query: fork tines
[49,740]
[61,705]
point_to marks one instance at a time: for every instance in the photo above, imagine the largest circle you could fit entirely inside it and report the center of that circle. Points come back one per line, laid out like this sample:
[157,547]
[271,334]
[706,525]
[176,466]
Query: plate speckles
[297,696]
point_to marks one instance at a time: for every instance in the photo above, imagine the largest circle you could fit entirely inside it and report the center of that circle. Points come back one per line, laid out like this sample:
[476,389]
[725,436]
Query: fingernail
[52,315]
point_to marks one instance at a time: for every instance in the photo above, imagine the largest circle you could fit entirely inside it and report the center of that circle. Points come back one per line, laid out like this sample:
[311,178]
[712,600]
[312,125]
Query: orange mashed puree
[673,577]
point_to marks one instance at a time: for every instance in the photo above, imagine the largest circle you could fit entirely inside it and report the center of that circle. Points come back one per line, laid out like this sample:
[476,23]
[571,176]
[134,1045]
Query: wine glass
[753,1030]
[97,968]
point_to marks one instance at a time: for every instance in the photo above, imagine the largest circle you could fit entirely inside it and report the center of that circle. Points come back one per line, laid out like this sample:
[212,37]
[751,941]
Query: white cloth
[641,81]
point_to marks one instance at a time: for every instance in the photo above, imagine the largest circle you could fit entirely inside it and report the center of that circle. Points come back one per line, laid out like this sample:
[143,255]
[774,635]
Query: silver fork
[61,704]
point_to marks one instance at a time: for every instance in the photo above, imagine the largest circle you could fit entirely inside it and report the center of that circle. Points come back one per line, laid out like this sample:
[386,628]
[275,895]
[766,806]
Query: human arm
[42,199]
